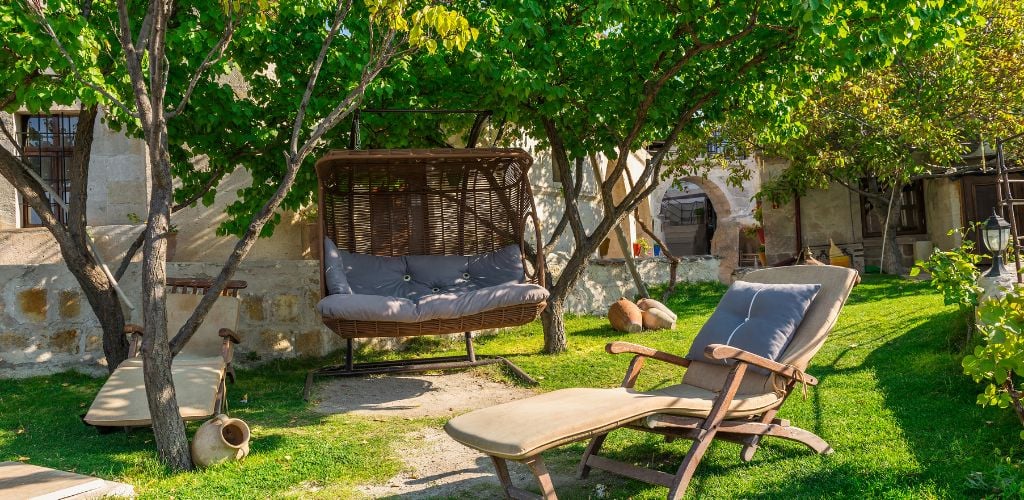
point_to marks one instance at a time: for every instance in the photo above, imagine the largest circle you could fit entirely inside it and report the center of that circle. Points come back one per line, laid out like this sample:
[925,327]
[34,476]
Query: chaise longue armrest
[641,353]
[229,334]
[722,351]
[135,341]
[619,347]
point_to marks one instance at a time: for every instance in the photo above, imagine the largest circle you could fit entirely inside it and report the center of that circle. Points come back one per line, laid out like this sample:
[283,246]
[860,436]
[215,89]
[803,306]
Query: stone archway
[725,241]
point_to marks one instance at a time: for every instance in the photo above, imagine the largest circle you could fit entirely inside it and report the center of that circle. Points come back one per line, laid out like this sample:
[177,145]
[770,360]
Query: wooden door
[979,197]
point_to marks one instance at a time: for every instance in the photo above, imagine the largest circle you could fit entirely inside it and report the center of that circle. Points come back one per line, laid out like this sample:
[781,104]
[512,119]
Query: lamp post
[996,235]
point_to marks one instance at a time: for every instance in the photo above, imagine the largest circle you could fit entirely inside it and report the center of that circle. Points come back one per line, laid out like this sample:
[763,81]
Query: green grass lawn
[892,402]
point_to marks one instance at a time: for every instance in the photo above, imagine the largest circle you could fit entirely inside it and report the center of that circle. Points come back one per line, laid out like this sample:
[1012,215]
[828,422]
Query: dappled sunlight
[892,402]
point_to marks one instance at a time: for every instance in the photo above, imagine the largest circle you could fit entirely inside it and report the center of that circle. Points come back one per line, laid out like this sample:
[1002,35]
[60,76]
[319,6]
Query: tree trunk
[892,257]
[553,319]
[104,303]
[168,428]
[555,340]
[85,266]
[72,237]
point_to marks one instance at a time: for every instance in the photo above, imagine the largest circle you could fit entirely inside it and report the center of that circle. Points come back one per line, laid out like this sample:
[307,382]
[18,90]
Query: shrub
[999,360]
[954,273]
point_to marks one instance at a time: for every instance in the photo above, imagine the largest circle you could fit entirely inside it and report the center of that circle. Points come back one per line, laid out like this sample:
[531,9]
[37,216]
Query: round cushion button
[465,276]
[435,289]
[406,278]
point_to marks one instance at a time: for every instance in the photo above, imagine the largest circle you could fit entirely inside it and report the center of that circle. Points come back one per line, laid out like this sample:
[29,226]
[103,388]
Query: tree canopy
[915,117]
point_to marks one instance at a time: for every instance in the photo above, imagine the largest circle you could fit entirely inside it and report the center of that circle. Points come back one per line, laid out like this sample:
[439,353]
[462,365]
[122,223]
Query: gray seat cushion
[756,317]
[359,307]
[423,287]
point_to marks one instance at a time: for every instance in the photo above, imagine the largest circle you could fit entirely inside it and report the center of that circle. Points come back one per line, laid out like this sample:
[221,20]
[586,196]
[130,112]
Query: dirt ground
[415,396]
[435,466]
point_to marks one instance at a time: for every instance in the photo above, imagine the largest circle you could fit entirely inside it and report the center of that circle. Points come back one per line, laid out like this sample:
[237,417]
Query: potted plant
[761,256]
[641,248]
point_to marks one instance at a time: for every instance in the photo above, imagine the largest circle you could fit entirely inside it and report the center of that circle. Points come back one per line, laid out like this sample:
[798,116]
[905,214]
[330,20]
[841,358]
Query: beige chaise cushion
[197,371]
[122,400]
[529,426]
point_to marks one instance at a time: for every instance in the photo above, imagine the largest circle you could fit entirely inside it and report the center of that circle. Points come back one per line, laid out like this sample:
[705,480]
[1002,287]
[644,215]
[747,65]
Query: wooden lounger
[735,402]
[199,371]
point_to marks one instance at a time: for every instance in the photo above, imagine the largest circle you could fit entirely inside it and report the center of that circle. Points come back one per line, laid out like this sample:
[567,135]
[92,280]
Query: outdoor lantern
[996,234]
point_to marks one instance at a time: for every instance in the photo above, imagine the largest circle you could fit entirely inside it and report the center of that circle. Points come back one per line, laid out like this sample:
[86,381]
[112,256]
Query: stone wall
[608,279]
[943,211]
[825,214]
[835,213]
[46,324]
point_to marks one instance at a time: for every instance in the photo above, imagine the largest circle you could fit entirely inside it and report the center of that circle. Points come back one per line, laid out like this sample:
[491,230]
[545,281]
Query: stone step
[22,480]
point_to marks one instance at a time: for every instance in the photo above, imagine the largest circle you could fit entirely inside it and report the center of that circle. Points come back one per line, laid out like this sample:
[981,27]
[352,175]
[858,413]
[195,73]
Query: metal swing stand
[420,365]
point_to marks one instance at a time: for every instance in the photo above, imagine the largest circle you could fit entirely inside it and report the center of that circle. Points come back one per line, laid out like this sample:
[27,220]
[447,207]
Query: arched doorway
[688,220]
[717,234]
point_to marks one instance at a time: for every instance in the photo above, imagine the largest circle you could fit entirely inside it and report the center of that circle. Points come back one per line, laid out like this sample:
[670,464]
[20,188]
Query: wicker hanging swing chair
[431,242]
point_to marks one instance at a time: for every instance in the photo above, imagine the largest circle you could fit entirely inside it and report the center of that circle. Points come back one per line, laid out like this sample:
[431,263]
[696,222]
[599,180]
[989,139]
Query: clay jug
[625,316]
[220,439]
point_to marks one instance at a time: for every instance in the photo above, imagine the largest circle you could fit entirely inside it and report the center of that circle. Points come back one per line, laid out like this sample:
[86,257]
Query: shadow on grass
[935,404]
[873,288]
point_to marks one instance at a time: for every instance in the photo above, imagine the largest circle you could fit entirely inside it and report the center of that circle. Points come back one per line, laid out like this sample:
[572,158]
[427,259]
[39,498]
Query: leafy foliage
[954,273]
[912,117]
[243,117]
[999,360]
[584,65]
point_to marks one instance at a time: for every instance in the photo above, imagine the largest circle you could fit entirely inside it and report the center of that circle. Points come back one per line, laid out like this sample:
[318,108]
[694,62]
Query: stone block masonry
[46,324]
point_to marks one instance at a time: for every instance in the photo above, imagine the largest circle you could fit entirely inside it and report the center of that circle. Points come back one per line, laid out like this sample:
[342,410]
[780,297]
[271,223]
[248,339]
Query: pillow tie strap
[779,386]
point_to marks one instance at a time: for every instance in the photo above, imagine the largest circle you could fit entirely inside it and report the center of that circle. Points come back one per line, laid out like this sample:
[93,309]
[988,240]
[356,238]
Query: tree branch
[214,55]
[44,23]
[340,12]
[294,160]
[653,89]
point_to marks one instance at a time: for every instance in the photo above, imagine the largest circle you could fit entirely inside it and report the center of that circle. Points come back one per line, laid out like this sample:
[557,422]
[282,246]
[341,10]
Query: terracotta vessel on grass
[625,316]
[220,439]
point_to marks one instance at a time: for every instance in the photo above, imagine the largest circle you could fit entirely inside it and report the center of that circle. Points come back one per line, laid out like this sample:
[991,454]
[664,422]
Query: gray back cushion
[756,317]
[440,272]
[500,267]
[334,270]
[373,275]
[415,277]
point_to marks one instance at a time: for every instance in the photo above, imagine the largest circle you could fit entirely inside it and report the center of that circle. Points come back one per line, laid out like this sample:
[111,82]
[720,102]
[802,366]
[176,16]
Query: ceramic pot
[625,316]
[220,439]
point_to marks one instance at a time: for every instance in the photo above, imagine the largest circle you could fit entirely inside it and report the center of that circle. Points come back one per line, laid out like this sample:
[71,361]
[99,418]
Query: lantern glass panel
[996,239]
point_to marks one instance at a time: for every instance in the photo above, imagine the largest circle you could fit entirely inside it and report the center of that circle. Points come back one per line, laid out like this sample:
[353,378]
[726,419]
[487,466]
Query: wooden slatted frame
[747,431]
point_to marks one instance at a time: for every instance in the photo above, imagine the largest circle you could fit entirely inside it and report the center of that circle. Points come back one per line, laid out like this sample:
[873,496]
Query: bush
[999,360]
[954,273]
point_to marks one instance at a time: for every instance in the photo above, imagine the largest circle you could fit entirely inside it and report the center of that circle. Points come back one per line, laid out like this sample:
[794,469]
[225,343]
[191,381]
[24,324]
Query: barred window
[908,210]
[48,142]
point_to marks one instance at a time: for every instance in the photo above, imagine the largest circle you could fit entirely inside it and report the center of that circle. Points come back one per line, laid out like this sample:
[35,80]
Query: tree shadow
[934,403]
[874,288]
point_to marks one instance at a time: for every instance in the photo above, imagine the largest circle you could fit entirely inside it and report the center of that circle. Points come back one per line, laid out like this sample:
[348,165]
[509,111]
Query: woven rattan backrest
[424,202]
